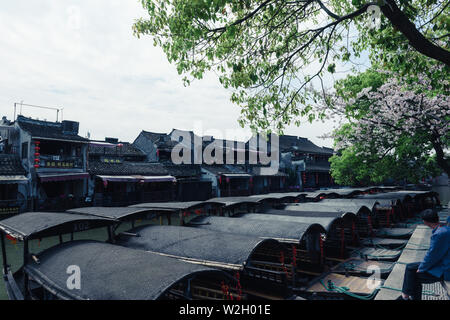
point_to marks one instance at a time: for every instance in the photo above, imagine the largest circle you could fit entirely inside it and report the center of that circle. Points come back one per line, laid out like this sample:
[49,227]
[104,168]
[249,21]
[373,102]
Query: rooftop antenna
[41,107]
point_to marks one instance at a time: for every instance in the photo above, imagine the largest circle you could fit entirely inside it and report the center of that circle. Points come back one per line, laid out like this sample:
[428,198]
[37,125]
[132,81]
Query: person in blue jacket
[436,264]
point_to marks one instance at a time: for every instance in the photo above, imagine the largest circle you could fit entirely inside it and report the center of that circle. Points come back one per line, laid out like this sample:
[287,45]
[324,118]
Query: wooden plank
[394,232]
[357,285]
[385,242]
[377,254]
[354,266]
[395,279]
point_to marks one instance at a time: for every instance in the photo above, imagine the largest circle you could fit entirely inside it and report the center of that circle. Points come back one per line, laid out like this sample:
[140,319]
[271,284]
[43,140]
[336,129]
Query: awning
[104,144]
[137,178]
[236,175]
[13,179]
[48,177]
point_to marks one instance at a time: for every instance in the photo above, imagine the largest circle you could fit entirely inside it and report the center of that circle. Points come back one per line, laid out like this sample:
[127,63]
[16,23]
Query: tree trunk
[440,155]
[417,40]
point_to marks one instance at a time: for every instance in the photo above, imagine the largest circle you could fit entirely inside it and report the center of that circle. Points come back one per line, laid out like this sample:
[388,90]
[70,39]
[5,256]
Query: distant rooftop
[65,130]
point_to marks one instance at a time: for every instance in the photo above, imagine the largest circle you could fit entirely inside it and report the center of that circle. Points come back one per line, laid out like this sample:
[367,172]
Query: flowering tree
[400,110]
[267,52]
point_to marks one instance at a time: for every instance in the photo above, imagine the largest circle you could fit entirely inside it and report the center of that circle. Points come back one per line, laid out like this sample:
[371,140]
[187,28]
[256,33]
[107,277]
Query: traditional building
[190,186]
[158,147]
[308,163]
[14,186]
[120,175]
[228,180]
[55,159]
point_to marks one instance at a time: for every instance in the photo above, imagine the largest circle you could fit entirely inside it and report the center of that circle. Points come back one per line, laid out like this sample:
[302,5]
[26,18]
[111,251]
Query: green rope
[352,267]
[345,290]
[380,246]
[372,257]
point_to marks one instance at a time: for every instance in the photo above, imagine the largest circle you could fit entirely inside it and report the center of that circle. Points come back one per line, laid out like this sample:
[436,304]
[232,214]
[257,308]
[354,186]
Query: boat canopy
[198,245]
[116,213]
[327,222]
[35,225]
[129,274]
[286,231]
[171,206]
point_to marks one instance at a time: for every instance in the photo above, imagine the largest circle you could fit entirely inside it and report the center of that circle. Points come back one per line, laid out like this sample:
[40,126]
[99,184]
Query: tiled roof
[161,140]
[329,150]
[46,129]
[182,170]
[127,168]
[224,169]
[10,164]
[293,143]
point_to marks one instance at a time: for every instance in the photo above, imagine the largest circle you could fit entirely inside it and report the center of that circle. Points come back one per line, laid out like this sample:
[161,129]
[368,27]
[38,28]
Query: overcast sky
[82,56]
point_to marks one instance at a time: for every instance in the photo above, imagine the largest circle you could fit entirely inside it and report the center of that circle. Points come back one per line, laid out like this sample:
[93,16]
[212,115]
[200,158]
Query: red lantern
[36,166]
[220,179]
[37,142]
[36,160]
[37,154]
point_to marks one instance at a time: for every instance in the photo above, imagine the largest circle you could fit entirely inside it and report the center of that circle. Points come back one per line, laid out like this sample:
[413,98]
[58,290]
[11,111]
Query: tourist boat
[96,270]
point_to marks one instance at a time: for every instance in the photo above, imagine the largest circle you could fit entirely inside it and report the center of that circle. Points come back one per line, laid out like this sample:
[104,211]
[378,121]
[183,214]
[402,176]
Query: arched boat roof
[234,201]
[327,222]
[318,194]
[279,196]
[34,225]
[171,206]
[324,214]
[128,274]
[402,196]
[116,213]
[318,207]
[196,244]
[354,202]
[418,193]
[285,231]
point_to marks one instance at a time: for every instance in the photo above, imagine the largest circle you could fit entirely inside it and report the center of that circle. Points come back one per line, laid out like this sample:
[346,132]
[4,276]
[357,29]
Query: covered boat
[365,219]
[111,272]
[304,242]
[45,275]
[340,227]
[252,258]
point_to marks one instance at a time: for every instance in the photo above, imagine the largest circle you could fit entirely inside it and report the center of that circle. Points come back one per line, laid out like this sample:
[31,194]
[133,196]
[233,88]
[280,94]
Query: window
[24,150]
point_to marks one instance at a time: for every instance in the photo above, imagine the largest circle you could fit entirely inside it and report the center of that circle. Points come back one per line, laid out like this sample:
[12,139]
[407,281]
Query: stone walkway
[414,251]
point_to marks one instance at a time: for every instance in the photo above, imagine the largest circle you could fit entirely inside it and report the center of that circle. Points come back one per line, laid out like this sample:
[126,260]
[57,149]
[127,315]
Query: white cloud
[82,56]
